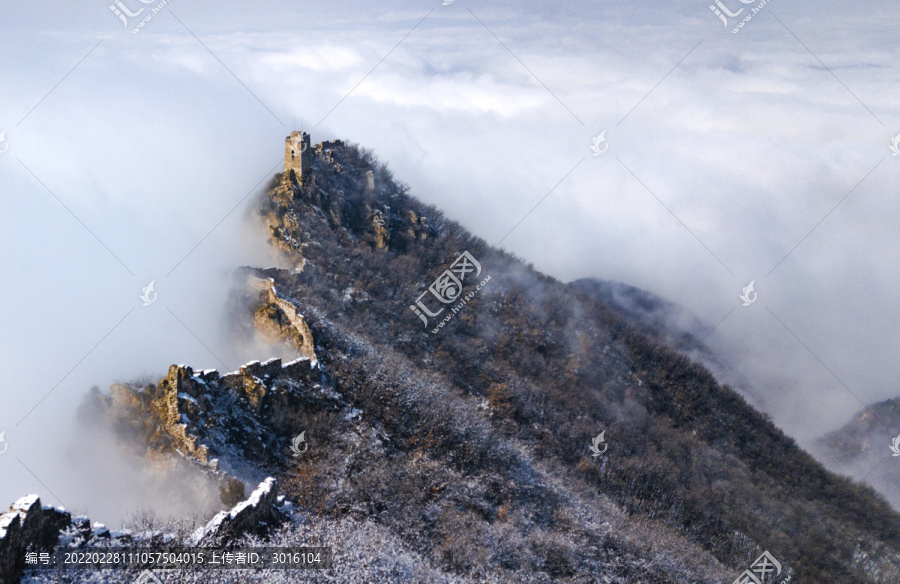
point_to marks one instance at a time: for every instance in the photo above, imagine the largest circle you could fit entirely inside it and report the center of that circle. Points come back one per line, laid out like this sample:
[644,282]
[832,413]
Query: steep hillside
[453,401]
[863,448]
[657,318]
[532,363]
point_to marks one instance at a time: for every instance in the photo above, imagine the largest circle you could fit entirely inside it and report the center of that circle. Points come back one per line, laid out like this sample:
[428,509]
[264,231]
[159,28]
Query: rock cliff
[278,320]
[262,512]
[463,456]
[31,527]
[220,421]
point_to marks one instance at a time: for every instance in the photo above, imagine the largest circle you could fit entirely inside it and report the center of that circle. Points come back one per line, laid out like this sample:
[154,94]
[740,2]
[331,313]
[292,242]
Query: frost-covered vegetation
[701,481]
[463,456]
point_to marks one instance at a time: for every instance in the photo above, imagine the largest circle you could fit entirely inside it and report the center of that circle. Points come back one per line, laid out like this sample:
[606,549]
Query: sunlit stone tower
[297,155]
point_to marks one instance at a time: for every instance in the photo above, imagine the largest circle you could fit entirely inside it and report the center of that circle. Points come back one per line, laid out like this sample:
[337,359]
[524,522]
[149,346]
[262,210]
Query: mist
[732,157]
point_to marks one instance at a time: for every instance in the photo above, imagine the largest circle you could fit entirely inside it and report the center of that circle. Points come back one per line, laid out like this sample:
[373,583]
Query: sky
[129,157]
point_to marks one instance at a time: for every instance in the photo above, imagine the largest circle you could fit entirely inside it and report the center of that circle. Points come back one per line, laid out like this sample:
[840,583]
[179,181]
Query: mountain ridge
[863,447]
[670,381]
[469,446]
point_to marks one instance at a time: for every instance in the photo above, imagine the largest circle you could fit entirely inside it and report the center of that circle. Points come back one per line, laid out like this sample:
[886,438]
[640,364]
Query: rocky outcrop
[416,226]
[182,397]
[357,197]
[219,422]
[379,230]
[247,412]
[27,526]
[277,319]
[30,527]
[258,515]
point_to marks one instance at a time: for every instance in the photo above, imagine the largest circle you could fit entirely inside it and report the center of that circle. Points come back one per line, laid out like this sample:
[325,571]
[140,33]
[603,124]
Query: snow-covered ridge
[29,526]
[258,513]
[204,374]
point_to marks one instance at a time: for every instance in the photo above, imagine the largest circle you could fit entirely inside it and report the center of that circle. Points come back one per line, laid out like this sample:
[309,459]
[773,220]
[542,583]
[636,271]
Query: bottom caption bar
[301,558]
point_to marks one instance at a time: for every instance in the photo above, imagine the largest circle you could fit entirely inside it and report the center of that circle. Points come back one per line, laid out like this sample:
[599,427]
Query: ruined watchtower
[297,155]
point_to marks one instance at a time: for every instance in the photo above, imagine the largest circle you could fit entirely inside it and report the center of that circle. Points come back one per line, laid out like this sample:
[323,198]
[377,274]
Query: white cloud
[750,142]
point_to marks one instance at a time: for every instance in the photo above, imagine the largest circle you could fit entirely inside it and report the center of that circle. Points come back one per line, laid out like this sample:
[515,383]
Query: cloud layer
[758,156]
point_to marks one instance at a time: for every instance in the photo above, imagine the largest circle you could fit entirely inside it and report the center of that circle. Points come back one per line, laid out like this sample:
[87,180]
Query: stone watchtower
[298,155]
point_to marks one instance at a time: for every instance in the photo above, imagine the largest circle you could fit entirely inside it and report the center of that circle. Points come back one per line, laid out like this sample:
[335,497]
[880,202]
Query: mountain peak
[472,448]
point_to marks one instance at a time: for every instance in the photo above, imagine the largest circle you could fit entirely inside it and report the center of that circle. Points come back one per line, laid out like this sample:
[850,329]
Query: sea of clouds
[760,156]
